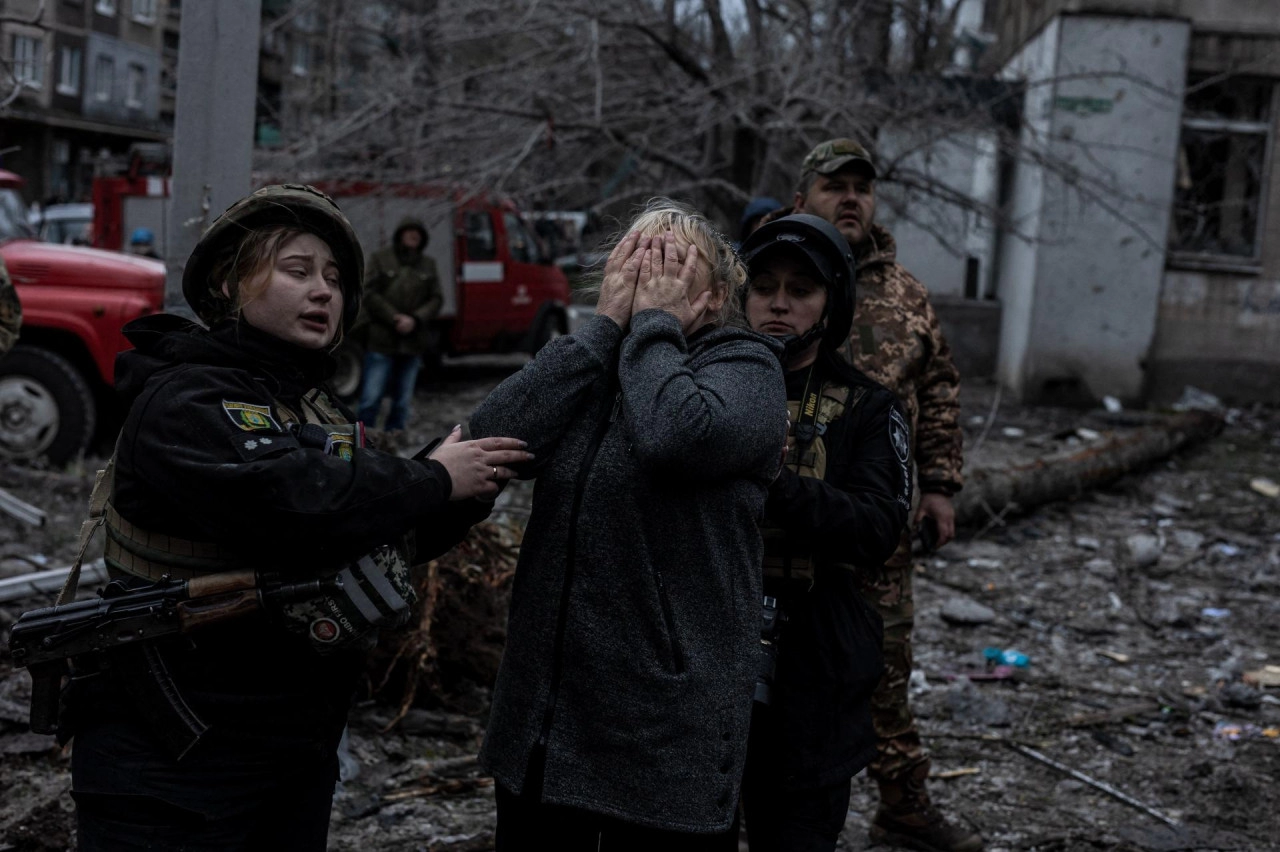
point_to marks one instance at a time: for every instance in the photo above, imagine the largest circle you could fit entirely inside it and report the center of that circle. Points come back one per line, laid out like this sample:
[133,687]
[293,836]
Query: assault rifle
[122,621]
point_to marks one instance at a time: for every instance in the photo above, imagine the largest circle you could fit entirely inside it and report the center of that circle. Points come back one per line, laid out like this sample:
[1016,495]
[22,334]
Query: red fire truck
[57,380]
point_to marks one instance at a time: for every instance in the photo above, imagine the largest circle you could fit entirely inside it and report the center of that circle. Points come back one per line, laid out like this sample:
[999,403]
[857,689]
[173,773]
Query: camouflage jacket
[10,312]
[897,341]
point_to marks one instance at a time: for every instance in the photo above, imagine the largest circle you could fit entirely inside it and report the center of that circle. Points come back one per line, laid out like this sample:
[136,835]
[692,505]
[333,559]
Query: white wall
[1104,105]
[935,237]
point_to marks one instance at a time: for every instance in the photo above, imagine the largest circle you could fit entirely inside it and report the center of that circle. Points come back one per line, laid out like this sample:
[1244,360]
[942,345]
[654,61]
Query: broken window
[1221,159]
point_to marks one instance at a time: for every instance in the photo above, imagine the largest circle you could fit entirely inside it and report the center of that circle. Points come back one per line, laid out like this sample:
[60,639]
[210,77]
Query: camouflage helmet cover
[282,204]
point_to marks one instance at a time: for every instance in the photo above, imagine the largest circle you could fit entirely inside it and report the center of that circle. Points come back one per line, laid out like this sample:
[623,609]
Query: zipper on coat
[571,555]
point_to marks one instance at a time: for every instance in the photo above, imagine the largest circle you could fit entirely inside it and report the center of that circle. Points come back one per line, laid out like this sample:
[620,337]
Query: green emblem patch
[250,417]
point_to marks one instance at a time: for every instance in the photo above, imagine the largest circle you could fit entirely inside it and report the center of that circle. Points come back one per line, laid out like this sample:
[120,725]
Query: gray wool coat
[634,628]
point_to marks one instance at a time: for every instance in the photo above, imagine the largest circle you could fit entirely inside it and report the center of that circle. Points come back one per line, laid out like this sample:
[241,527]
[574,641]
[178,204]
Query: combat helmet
[817,244]
[282,204]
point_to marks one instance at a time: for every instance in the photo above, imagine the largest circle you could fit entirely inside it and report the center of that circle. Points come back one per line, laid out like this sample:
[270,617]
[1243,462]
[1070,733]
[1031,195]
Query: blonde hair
[728,273]
[245,268]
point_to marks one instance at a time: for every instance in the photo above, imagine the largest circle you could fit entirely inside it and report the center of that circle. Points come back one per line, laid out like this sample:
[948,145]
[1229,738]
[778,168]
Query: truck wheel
[346,378]
[46,407]
[551,327]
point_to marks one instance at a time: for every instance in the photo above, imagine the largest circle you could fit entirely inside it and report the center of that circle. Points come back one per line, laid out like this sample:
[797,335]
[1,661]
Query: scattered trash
[1116,603]
[985,564]
[1215,612]
[1194,399]
[1235,731]
[918,683]
[977,420]
[965,611]
[1087,542]
[1013,432]
[1088,434]
[1226,549]
[1265,487]
[1115,656]
[1111,404]
[1144,550]
[1263,677]
[956,773]
[996,656]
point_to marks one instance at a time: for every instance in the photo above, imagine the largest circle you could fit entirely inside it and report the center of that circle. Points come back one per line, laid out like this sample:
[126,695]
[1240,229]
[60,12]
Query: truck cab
[55,385]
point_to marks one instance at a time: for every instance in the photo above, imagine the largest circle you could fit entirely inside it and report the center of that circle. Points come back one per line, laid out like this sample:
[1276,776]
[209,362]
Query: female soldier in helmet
[835,509]
[235,456]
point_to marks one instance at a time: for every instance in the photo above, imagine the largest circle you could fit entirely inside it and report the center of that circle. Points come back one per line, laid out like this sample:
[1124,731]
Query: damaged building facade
[1139,247]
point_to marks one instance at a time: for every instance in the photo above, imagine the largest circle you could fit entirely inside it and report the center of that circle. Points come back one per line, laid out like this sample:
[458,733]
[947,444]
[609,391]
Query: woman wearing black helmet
[836,508]
[235,457]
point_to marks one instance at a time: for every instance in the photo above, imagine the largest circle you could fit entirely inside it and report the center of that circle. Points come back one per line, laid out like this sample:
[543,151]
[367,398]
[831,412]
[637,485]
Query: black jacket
[185,466]
[634,620]
[829,650]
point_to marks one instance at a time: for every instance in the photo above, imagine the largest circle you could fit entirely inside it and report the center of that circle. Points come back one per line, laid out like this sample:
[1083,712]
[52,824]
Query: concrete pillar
[213,124]
[1091,198]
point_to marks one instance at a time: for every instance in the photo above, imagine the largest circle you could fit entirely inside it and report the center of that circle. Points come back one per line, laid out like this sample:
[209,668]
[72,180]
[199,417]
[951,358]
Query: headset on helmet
[824,250]
[284,204]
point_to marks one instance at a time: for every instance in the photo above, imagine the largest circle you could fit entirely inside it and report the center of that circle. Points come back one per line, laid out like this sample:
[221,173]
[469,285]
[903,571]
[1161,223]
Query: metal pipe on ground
[49,582]
[990,493]
[21,510]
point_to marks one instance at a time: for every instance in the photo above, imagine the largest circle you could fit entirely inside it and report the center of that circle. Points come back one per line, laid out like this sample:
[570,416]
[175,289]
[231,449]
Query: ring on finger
[495,474]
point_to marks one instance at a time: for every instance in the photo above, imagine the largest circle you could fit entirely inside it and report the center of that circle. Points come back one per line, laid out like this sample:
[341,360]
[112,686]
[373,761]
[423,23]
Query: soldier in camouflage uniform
[897,341]
[10,312]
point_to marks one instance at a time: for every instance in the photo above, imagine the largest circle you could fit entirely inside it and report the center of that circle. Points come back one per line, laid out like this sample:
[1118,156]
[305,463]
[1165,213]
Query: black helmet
[816,243]
[283,204]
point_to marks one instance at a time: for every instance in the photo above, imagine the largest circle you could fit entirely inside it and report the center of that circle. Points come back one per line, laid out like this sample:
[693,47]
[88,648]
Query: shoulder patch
[899,435]
[250,417]
[251,447]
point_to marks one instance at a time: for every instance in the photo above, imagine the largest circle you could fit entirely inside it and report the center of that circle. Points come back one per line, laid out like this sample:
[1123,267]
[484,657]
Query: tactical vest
[374,592]
[785,556]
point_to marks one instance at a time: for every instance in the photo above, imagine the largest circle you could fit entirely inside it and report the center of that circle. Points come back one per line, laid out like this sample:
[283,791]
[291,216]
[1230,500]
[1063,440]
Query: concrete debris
[1188,539]
[1194,399]
[967,703]
[960,610]
[1144,550]
[1265,487]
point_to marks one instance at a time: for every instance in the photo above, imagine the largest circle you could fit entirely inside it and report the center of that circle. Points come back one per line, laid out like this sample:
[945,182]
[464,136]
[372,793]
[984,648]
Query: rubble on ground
[1146,716]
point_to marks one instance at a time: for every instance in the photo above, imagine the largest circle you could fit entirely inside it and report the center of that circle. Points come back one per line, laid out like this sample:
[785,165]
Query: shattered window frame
[1222,172]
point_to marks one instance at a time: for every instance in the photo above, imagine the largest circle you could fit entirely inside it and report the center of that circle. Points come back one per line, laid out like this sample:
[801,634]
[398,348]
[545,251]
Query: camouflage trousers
[901,765]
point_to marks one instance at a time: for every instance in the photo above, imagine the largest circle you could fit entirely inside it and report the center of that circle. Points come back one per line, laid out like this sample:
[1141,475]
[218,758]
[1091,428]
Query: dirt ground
[1141,608]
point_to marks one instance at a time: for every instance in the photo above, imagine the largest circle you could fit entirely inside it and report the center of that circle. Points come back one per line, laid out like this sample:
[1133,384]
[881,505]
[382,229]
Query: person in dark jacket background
[622,705]
[235,456]
[835,510]
[753,215]
[402,297]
